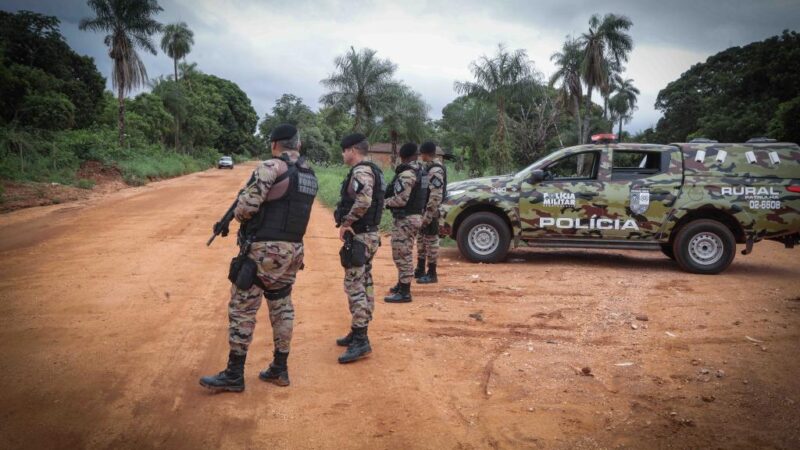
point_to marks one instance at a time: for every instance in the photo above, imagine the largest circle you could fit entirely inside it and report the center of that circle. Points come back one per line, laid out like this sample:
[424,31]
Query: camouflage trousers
[428,247]
[278,263]
[358,283]
[404,233]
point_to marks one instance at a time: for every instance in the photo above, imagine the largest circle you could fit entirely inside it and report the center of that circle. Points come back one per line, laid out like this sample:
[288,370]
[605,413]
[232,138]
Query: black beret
[409,149]
[428,147]
[283,131]
[352,139]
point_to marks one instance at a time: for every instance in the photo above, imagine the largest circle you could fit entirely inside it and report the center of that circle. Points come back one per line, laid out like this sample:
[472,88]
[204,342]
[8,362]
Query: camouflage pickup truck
[693,201]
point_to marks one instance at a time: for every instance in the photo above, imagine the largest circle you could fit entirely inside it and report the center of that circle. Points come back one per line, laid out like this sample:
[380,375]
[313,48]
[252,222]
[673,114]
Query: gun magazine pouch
[243,272]
[353,254]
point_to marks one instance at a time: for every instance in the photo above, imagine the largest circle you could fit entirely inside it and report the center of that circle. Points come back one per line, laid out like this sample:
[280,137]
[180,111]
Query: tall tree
[568,62]
[605,43]
[359,84]
[129,25]
[496,78]
[404,115]
[177,42]
[623,103]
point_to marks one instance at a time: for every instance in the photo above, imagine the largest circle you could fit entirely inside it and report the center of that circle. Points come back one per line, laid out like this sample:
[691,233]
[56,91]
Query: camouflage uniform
[278,263]
[404,229]
[428,244]
[358,284]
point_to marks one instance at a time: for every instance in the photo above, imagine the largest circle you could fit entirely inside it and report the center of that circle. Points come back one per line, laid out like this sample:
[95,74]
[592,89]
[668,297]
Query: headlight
[455,193]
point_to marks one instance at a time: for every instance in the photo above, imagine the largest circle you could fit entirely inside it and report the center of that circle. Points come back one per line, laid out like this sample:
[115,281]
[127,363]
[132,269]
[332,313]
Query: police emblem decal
[640,200]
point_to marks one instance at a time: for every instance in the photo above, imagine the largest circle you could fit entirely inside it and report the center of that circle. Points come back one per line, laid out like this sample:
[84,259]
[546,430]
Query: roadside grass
[330,179]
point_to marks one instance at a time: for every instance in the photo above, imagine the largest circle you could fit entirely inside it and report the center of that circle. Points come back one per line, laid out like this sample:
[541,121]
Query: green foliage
[50,111]
[84,183]
[359,85]
[213,112]
[43,82]
[739,93]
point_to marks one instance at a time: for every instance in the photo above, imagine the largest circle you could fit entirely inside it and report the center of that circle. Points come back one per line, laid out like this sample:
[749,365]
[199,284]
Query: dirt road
[111,308]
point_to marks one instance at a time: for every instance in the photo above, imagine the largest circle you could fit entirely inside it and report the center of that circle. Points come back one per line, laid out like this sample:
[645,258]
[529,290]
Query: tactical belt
[359,229]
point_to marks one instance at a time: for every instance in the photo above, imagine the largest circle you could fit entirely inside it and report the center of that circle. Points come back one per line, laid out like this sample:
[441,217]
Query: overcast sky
[273,47]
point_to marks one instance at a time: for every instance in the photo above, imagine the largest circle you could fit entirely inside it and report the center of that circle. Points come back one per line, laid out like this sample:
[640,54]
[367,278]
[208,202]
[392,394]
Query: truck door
[644,184]
[561,204]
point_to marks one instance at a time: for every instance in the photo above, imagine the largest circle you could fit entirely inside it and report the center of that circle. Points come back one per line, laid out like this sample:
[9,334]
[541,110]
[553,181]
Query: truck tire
[704,246]
[666,249]
[484,237]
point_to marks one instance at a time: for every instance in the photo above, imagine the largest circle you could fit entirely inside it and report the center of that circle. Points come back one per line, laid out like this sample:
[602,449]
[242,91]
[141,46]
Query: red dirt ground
[112,307]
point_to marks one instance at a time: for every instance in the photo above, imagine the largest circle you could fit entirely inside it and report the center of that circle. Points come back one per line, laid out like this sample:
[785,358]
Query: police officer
[406,197]
[428,240]
[358,215]
[274,209]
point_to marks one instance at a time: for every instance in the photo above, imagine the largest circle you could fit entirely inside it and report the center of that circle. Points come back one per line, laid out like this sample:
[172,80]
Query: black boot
[403,294]
[278,371]
[395,288]
[358,348]
[231,379]
[420,270]
[430,277]
[346,340]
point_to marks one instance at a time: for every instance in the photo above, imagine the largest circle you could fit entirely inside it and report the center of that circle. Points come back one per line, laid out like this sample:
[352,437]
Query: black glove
[221,228]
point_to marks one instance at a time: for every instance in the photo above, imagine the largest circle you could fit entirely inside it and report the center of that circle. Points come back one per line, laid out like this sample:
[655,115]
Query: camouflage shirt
[403,184]
[436,186]
[361,187]
[257,189]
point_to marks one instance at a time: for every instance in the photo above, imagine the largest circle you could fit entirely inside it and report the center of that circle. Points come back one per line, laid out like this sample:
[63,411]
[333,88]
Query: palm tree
[605,43]
[177,42]
[496,79]
[568,61]
[404,114]
[129,24]
[360,84]
[623,103]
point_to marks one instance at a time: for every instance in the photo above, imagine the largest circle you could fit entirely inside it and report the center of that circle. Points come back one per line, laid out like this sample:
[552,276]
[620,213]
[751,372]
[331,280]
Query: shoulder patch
[398,186]
[436,182]
[356,186]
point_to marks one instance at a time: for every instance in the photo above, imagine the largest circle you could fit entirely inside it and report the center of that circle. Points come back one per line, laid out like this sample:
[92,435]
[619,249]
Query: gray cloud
[275,47]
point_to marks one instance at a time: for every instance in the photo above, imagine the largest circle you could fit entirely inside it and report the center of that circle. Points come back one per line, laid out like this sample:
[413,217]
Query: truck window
[580,166]
[631,164]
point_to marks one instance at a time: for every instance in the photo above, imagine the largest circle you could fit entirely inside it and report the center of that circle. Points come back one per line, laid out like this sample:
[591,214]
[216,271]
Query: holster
[431,229]
[353,253]
[243,271]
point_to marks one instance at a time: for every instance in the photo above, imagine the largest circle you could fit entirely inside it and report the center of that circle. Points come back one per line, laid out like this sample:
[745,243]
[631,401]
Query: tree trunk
[177,119]
[394,147]
[121,117]
[619,135]
[587,115]
[578,131]
[502,158]
[357,125]
[605,109]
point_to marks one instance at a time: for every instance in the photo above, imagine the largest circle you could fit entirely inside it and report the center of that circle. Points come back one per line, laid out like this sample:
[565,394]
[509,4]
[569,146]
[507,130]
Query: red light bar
[795,188]
[604,137]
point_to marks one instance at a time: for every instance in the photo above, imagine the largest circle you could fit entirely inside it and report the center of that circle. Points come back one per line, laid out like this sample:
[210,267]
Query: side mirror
[537,176]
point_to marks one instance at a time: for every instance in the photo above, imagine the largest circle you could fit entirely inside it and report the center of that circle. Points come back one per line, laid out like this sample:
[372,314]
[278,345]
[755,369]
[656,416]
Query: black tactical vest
[286,218]
[372,218]
[419,193]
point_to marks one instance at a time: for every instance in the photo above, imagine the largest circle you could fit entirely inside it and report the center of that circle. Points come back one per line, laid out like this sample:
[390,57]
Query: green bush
[84,183]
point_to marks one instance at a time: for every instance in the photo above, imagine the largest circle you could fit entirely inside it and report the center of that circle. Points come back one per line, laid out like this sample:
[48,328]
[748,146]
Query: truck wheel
[666,249]
[484,237]
[705,247]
